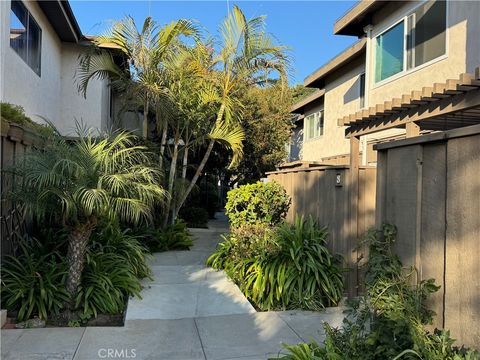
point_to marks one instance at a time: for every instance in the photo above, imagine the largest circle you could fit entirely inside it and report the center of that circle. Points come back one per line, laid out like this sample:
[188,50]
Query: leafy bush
[389,321]
[285,268]
[107,282]
[174,237]
[195,217]
[110,238]
[16,114]
[257,203]
[33,283]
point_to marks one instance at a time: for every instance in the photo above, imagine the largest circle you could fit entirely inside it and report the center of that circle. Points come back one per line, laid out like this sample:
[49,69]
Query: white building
[40,42]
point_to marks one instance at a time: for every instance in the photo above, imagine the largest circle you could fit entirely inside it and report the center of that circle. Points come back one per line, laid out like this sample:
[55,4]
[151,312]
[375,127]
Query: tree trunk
[171,182]
[77,246]
[163,142]
[220,114]
[145,119]
[185,162]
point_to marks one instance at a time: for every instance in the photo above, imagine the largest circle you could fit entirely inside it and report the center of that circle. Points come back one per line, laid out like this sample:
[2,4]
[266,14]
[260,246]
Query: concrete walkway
[188,312]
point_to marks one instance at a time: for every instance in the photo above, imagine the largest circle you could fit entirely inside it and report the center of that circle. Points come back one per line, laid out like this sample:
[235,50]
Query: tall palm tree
[79,183]
[146,51]
[247,57]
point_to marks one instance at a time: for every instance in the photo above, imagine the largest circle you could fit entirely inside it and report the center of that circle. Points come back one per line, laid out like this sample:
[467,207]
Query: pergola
[439,107]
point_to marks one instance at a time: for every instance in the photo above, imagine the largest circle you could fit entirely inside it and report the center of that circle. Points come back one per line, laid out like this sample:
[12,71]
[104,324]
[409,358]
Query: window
[389,52]
[418,38]
[362,90]
[25,35]
[314,125]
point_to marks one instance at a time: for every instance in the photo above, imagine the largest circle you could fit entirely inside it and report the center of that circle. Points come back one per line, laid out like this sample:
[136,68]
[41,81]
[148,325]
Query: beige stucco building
[402,46]
[40,42]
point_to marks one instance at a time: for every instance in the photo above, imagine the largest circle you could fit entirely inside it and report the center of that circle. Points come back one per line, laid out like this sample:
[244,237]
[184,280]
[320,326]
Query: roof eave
[355,19]
[60,15]
[298,108]
[317,78]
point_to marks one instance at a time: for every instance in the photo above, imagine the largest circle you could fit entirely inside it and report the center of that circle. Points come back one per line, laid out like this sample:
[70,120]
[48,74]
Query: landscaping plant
[288,267]
[173,237]
[195,217]
[107,282]
[266,203]
[109,238]
[33,283]
[388,322]
[89,179]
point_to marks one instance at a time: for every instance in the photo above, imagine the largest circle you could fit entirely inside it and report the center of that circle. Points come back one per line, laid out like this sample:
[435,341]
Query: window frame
[30,18]
[306,132]
[406,71]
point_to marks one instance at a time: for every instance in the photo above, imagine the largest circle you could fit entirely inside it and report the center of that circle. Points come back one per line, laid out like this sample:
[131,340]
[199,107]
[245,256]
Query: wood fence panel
[314,192]
[430,189]
[432,241]
[462,283]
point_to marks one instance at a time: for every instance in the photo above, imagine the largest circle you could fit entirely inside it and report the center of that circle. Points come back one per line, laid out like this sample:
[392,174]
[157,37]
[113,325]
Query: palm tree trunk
[185,162]
[171,181]
[163,142]
[145,119]
[220,114]
[77,247]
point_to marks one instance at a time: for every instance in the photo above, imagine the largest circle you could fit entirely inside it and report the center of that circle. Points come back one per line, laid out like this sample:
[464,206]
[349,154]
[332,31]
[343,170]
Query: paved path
[188,312]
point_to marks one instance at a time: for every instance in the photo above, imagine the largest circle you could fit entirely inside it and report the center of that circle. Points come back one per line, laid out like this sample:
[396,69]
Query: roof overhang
[443,106]
[355,19]
[317,79]
[299,107]
[60,15]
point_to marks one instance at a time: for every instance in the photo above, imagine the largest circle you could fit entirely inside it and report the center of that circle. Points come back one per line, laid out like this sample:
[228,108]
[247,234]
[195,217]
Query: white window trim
[404,72]
[305,129]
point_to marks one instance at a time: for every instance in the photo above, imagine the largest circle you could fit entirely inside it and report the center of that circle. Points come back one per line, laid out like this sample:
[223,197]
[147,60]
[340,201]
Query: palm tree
[81,182]
[247,57]
[146,51]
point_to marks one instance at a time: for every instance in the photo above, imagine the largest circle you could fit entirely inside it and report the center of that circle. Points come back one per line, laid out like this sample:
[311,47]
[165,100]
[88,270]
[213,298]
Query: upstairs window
[25,35]
[314,125]
[362,90]
[417,39]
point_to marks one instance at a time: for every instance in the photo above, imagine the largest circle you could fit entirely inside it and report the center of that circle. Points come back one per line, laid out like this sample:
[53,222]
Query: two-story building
[40,43]
[402,47]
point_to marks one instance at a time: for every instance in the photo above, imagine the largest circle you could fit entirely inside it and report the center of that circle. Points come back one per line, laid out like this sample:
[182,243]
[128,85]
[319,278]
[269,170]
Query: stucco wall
[52,95]
[460,42]
[93,110]
[39,95]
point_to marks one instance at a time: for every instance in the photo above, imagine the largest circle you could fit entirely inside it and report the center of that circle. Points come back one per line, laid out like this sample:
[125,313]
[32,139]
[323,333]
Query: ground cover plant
[173,237]
[388,322]
[286,267]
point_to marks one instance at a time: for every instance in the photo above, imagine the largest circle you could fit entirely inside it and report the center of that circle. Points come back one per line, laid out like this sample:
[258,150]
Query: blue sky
[305,26]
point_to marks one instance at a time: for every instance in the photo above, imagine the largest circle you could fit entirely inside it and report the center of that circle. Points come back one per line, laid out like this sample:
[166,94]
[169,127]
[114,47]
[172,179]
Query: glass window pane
[430,31]
[18,29]
[320,122]
[389,52]
[310,126]
[34,45]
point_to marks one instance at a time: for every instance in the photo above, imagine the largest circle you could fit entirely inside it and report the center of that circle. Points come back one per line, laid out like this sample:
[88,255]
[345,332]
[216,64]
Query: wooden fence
[429,187]
[325,193]
[15,141]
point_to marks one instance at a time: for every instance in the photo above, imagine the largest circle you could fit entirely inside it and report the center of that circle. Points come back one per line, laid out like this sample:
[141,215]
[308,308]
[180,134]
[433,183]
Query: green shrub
[195,217]
[389,321]
[266,203]
[174,237]
[285,268]
[107,282]
[16,114]
[110,238]
[33,283]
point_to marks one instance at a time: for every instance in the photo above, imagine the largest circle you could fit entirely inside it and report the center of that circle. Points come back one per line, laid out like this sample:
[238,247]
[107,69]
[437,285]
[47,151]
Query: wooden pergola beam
[439,107]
